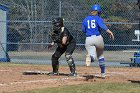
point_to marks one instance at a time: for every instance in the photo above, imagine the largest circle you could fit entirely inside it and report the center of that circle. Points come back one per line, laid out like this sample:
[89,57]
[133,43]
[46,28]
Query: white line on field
[126,74]
[122,72]
[36,81]
[5,70]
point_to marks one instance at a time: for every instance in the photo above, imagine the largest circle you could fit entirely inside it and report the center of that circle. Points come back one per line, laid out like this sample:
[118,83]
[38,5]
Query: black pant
[68,49]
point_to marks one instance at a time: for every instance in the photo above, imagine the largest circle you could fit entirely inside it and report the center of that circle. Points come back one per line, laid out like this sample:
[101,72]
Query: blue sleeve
[83,28]
[101,24]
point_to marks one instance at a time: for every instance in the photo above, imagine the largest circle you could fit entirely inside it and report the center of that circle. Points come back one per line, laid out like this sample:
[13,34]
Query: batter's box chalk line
[40,81]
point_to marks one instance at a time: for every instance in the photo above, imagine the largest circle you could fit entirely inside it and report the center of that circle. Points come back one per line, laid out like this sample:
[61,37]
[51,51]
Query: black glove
[50,46]
[54,36]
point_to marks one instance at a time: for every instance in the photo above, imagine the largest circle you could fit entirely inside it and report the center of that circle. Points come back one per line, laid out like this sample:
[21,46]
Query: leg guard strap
[70,62]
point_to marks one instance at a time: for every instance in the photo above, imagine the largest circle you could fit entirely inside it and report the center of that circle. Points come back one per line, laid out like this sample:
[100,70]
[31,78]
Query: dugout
[3,34]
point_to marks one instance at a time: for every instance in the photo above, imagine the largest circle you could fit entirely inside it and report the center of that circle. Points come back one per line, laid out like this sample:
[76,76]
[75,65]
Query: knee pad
[69,59]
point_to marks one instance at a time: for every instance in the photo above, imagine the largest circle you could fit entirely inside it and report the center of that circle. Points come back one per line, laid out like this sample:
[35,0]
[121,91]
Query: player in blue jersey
[94,43]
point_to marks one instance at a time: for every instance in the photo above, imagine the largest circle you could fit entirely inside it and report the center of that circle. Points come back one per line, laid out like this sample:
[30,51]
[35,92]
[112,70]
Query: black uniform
[67,48]
[138,3]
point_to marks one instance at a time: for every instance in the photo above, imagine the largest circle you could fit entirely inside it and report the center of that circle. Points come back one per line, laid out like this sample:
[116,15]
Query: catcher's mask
[57,23]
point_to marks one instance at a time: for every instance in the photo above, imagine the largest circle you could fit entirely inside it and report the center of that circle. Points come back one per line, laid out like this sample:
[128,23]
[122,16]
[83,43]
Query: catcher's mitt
[54,36]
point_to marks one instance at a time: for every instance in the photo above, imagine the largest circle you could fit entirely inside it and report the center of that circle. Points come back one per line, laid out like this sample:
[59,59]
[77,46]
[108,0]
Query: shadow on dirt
[88,77]
[135,81]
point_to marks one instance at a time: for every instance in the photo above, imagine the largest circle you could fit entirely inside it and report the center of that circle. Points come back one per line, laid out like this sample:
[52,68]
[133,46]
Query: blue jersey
[91,25]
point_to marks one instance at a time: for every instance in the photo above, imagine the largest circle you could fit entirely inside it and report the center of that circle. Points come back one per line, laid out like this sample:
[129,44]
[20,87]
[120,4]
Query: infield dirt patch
[12,78]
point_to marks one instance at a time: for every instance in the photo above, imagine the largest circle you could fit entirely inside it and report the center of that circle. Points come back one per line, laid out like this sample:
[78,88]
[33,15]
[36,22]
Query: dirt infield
[12,78]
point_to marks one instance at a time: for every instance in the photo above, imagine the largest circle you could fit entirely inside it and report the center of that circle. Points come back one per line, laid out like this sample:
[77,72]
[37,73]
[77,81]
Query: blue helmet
[96,7]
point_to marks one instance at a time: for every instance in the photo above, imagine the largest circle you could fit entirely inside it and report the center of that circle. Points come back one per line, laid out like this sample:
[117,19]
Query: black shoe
[53,73]
[92,59]
[72,75]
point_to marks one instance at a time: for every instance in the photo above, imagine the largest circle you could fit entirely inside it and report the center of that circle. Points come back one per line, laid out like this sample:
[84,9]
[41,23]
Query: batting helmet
[57,23]
[96,7]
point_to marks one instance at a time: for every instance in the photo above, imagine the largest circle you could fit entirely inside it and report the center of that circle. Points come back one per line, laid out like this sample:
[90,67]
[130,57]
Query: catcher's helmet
[96,7]
[57,23]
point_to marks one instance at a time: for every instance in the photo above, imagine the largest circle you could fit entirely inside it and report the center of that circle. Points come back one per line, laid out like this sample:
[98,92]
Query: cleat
[89,60]
[88,63]
[72,75]
[53,73]
[103,75]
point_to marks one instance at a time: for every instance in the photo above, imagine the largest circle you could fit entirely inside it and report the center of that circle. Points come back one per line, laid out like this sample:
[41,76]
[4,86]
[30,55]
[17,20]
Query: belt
[92,35]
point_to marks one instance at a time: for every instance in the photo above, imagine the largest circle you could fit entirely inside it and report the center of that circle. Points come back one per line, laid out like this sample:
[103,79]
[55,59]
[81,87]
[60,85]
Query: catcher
[66,43]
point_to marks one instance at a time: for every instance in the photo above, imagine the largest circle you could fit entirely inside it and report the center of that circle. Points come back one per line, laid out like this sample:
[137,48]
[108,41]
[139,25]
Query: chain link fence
[29,24]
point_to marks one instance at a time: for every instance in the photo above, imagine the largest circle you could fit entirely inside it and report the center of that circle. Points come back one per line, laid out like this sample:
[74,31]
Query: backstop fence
[29,25]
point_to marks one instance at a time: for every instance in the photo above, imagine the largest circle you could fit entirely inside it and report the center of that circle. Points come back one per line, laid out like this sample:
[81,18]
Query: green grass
[92,88]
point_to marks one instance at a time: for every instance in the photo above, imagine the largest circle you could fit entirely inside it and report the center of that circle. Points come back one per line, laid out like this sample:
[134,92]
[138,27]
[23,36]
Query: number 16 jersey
[91,25]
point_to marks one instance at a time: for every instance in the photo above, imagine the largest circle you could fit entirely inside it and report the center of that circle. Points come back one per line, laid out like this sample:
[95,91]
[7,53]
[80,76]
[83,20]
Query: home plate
[35,72]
